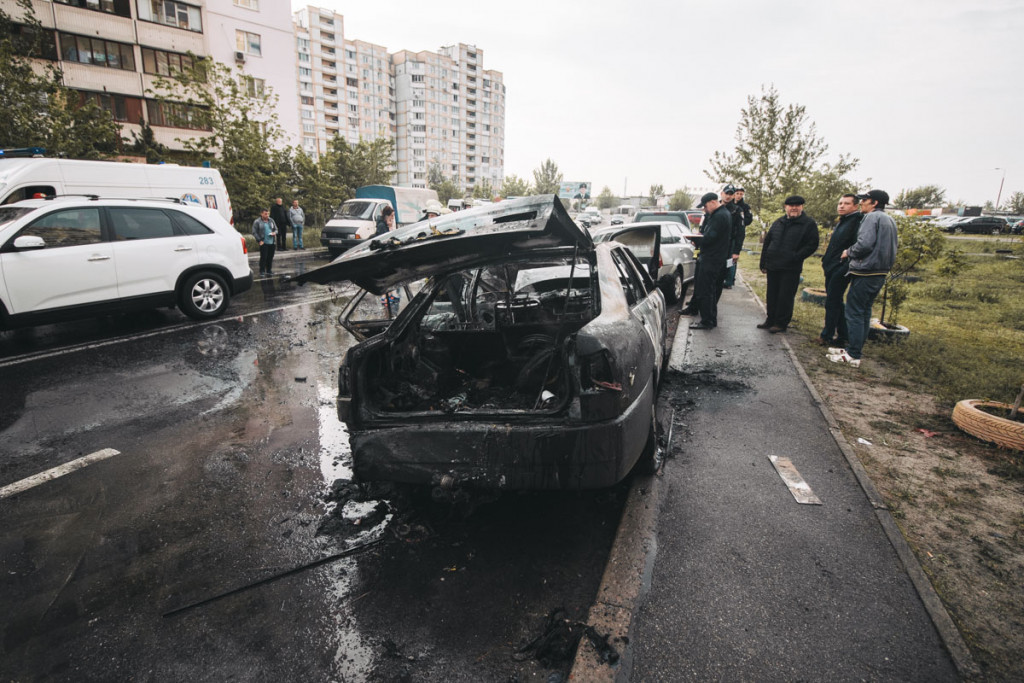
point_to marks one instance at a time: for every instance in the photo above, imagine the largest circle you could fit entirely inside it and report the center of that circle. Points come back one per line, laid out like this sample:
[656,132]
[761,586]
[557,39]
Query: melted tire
[987,427]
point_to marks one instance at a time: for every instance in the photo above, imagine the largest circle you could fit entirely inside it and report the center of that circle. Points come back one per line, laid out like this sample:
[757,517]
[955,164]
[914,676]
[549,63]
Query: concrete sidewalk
[747,584]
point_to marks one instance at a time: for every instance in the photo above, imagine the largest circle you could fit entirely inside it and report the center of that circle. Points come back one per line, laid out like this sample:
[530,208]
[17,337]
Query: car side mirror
[29,242]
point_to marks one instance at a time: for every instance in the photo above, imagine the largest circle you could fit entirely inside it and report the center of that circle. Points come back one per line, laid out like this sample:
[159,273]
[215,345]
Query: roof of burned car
[495,232]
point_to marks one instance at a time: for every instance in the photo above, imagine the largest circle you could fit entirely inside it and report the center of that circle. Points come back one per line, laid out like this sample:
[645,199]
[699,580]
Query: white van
[22,178]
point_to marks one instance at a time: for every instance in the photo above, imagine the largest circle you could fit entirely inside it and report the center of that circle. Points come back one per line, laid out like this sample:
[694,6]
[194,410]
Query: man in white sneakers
[871,258]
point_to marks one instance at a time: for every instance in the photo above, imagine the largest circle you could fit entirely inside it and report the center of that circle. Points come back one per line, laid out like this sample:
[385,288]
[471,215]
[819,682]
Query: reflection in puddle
[335,453]
[353,659]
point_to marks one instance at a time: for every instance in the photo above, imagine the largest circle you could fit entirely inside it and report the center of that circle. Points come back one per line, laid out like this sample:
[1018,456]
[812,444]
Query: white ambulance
[28,178]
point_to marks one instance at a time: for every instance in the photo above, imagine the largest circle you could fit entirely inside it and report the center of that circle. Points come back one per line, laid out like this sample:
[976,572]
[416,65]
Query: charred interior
[493,339]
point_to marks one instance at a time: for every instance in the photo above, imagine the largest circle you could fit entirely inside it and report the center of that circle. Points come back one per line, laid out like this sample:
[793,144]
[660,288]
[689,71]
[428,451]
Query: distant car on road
[617,220]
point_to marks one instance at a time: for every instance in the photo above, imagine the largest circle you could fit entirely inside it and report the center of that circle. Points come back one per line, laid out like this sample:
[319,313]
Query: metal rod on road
[275,577]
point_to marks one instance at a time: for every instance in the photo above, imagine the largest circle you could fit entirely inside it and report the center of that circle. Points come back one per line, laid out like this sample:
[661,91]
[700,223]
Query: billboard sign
[574,190]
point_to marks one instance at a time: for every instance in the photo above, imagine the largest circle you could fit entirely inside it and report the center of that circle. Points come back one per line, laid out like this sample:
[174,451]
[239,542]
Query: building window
[303,56]
[27,42]
[120,107]
[248,4]
[119,7]
[417,78]
[303,71]
[255,87]
[176,115]
[97,52]
[327,37]
[248,43]
[172,13]
[163,63]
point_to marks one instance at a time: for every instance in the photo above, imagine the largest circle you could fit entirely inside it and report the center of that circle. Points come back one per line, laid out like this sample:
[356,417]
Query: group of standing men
[720,240]
[270,229]
[860,253]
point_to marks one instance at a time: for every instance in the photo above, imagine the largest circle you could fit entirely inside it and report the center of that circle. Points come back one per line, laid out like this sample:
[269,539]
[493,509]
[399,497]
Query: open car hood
[464,239]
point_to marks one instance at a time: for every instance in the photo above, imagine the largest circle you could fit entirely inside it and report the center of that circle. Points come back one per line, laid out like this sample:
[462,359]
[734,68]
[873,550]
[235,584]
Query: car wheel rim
[678,286]
[207,295]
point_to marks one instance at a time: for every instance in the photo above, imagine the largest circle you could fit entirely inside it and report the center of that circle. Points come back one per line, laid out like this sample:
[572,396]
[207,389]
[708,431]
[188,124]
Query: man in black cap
[738,234]
[789,241]
[714,243]
[871,258]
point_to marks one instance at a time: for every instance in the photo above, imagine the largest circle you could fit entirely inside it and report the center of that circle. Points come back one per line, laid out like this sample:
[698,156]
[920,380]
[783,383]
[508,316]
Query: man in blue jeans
[837,272]
[871,258]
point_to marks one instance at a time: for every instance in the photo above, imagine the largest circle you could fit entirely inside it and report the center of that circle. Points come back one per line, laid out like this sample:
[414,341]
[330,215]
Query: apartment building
[112,52]
[441,108]
[256,37]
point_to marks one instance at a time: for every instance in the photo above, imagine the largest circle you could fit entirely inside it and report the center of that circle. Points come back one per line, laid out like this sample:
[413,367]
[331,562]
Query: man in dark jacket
[714,243]
[789,241]
[740,220]
[871,258]
[279,214]
[837,272]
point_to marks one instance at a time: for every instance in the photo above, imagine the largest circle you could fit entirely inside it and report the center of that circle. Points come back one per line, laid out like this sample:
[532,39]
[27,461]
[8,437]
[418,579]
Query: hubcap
[207,295]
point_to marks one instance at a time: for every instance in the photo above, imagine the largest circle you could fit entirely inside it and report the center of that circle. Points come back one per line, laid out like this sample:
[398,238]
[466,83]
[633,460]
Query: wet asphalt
[747,584]
[221,542]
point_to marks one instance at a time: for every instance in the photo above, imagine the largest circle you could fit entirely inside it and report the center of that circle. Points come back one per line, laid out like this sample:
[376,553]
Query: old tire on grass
[998,430]
[813,295]
[887,332]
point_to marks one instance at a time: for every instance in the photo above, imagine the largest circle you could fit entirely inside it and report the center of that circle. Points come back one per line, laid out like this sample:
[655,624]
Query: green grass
[967,333]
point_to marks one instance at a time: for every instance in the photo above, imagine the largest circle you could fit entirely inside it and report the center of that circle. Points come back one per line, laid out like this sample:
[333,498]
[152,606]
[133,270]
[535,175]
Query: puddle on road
[335,452]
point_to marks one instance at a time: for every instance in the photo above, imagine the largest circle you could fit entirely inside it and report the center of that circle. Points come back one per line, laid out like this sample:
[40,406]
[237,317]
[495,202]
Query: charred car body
[528,358]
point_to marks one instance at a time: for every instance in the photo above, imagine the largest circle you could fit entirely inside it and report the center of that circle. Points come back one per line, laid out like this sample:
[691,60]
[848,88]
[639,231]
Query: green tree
[680,200]
[445,188]
[777,151]
[919,243]
[822,190]
[315,188]
[241,130]
[38,109]
[483,190]
[606,200]
[145,144]
[655,192]
[1015,203]
[514,186]
[923,197]
[546,179]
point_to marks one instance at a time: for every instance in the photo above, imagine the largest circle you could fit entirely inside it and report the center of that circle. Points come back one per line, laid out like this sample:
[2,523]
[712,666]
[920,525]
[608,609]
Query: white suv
[77,257]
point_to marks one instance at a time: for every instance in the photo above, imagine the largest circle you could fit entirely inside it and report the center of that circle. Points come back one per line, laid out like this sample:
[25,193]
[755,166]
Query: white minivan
[28,178]
[77,257]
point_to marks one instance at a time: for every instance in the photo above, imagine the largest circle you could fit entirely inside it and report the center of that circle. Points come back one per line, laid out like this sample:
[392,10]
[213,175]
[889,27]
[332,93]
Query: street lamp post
[1000,195]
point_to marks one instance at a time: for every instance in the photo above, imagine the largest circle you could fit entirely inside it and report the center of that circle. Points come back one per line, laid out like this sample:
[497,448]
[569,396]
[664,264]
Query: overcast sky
[628,94]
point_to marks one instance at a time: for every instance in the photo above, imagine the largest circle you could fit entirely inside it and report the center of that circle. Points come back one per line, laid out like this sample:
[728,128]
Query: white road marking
[50,475]
[27,357]
[797,486]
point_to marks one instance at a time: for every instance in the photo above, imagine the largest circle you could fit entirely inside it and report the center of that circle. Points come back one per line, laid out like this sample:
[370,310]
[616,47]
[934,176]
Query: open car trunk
[491,341]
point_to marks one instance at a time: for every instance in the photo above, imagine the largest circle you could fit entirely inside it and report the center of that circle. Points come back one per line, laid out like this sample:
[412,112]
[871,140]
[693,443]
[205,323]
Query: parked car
[676,263]
[1017,227]
[981,225]
[617,220]
[528,358]
[78,257]
[691,217]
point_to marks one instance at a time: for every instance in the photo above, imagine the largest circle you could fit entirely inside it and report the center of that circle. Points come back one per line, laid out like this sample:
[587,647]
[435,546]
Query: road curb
[629,567]
[948,632]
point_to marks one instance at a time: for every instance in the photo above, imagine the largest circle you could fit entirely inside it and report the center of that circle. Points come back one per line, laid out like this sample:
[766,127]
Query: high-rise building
[112,51]
[441,108]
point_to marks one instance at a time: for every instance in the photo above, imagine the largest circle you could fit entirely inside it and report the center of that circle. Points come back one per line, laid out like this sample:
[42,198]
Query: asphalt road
[224,448]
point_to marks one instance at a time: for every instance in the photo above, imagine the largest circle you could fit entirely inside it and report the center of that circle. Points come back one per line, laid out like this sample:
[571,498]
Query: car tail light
[245,249]
[661,261]
[597,368]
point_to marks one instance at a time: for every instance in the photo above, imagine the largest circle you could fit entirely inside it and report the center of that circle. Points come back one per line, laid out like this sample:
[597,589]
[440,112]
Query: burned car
[502,349]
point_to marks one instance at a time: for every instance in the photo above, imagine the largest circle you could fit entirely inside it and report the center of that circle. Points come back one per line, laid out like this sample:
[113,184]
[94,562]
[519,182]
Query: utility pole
[1000,195]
